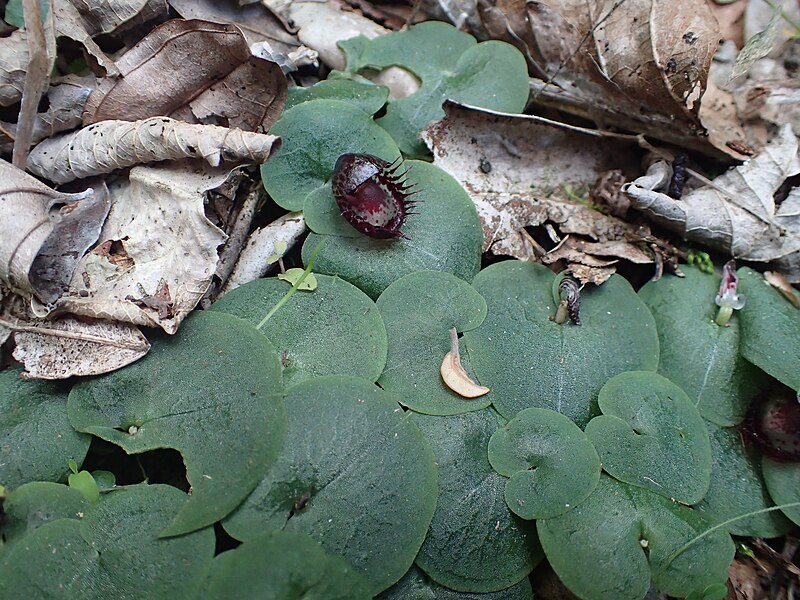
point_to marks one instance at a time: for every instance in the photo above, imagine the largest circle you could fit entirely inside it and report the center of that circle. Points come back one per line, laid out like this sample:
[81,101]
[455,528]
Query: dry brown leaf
[13,66]
[517,170]
[67,347]
[219,82]
[44,232]
[737,213]
[109,145]
[157,252]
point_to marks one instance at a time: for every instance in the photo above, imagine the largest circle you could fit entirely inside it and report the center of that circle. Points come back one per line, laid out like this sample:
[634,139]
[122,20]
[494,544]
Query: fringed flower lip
[372,195]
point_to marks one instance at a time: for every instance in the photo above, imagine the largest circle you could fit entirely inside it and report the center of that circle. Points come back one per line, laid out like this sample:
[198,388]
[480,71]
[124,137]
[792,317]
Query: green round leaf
[33,504]
[737,488]
[335,330]
[696,353]
[475,544]
[315,134]
[651,435]
[783,483]
[115,547]
[450,65]
[212,392]
[355,473]
[770,329]
[419,310]
[284,566]
[446,235]
[415,585]
[36,439]
[622,536]
[364,95]
[551,463]
[527,360]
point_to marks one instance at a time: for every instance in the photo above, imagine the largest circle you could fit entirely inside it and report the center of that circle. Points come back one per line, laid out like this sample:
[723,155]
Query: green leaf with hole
[651,435]
[696,353]
[212,392]
[337,330]
[315,134]
[31,505]
[551,464]
[528,360]
[622,536]
[475,543]
[450,65]
[770,329]
[355,473]
[36,439]
[362,94]
[419,310]
[446,235]
[284,566]
[737,488]
[783,483]
[416,585]
[115,547]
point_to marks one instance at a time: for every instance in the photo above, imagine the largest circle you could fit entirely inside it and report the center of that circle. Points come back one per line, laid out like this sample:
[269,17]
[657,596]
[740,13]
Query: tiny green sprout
[280,248]
[745,550]
[701,259]
[728,299]
[83,482]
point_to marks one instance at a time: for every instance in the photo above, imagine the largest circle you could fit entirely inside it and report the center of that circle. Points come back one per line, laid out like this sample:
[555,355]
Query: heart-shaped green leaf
[770,329]
[446,235]
[551,463]
[315,134]
[115,547]
[622,536]
[212,392]
[696,353]
[450,65]
[362,94]
[355,473]
[737,488]
[415,585]
[419,310]
[528,360]
[651,435]
[285,566]
[475,544]
[336,330]
[783,483]
[36,439]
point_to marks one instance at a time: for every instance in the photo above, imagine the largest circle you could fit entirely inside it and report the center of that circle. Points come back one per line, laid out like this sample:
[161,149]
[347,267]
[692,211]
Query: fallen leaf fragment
[454,375]
[14,59]
[110,145]
[780,283]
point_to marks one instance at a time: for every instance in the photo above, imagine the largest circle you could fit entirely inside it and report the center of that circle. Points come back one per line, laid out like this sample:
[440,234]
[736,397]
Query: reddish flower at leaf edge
[773,423]
[371,195]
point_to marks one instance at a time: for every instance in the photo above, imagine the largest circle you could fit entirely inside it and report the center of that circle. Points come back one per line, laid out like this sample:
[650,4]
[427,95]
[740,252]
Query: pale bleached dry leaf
[253,262]
[758,46]
[157,252]
[220,82]
[109,145]
[737,214]
[13,65]
[34,217]
[517,170]
[256,22]
[66,347]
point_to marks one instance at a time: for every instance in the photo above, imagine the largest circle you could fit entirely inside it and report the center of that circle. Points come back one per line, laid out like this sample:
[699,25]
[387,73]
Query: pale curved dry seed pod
[454,375]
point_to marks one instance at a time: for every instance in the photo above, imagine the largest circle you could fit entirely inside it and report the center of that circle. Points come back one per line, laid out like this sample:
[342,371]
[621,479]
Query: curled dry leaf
[43,233]
[454,375]
[220,82]
[736,213]
[110,145]
[13,65]
[780,283]
[517,170]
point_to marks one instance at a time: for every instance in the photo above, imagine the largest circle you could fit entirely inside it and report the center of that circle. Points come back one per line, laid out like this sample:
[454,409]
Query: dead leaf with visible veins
[737,213]
[219,82]
[13,66]
[110,145]
[518,169]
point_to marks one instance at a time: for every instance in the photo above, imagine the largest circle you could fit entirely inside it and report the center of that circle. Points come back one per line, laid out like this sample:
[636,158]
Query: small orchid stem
[454,343]
[562,314]
[723,315]
[281,266]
